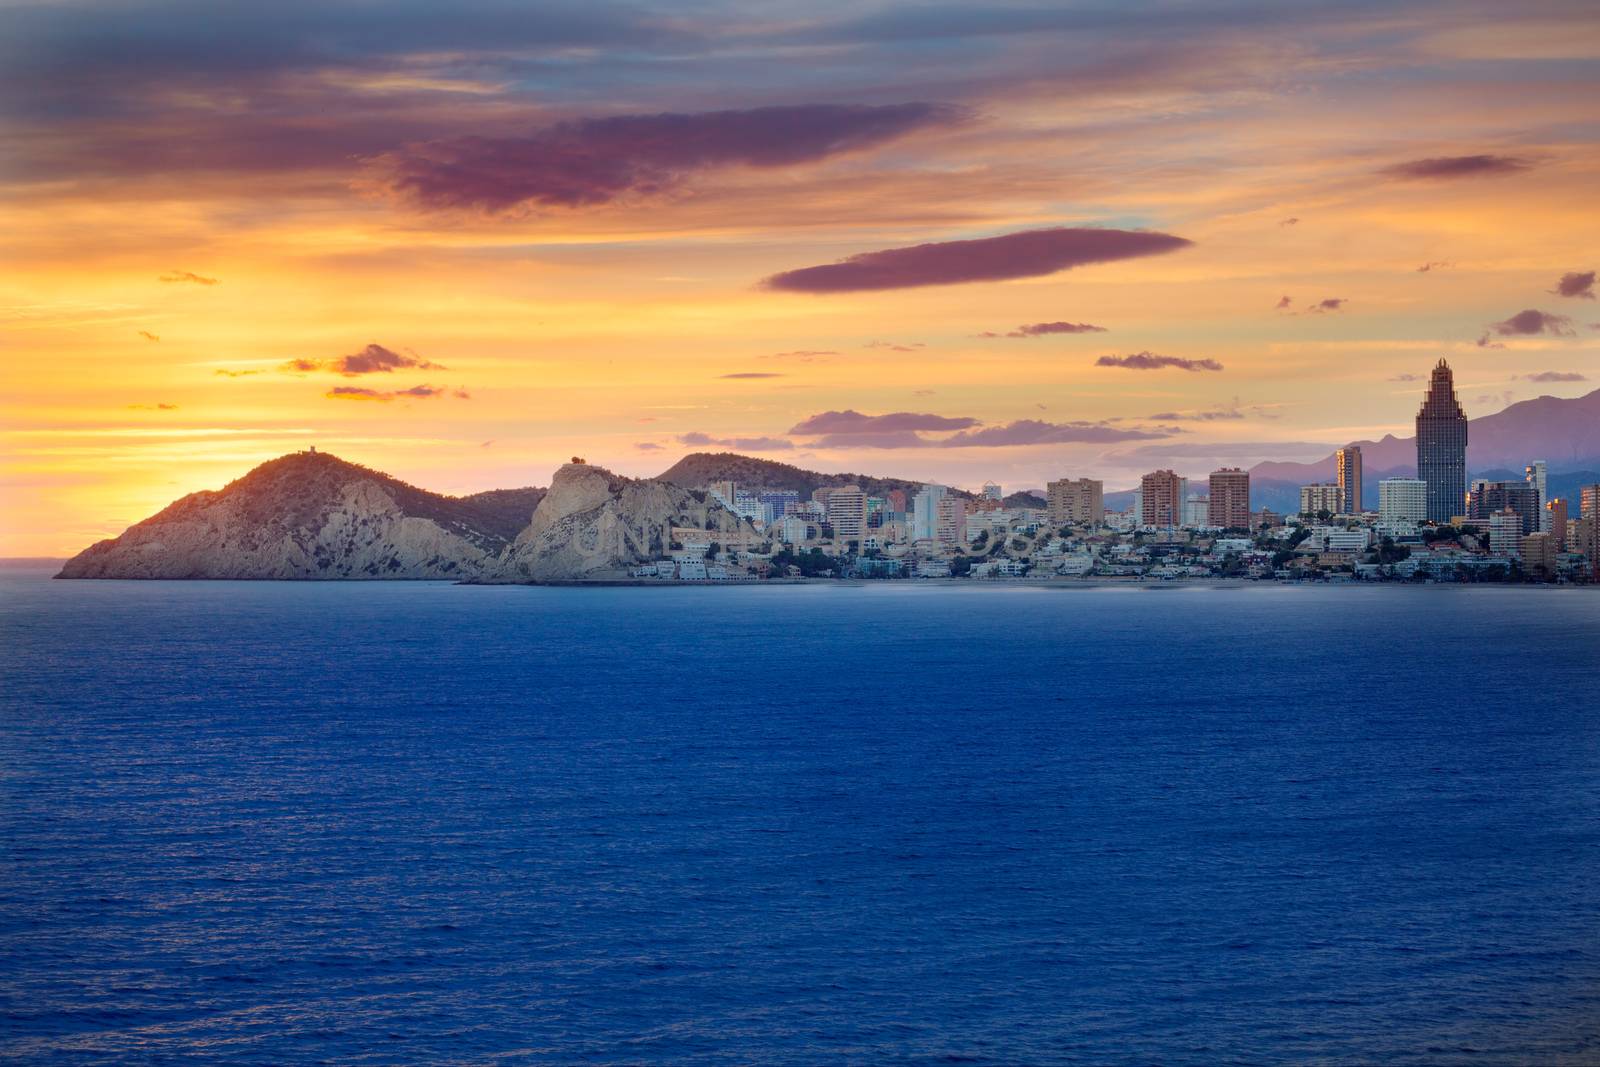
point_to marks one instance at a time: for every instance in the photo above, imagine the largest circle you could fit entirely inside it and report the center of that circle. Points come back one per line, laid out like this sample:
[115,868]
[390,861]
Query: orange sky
[560,223]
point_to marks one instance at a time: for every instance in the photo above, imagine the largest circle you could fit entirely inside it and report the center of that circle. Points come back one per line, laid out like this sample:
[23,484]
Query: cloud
[1409,378]
[1283,303]
[1554,376]
[373,359]
[747,444]
[1213,415]
[585,162]
[1576,284]
[1018,255]
[238,373]
[1456,167]
[1330,305]
[749,374]
[1040,329]
[1291,221]
[1035,432]
[187,276]
[804,355]
[153,407]
[854,422]
[419,392]
[647,446]
[1531,322]
[895,346]
[1152,361]
[1434,264]
[148,336]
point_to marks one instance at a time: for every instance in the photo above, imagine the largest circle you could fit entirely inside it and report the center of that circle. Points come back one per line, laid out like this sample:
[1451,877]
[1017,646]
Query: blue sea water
[384,823]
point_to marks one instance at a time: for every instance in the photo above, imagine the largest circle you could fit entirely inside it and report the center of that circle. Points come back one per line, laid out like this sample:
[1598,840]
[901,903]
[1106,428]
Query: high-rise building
[992,491]
[1505,533]
[1321,496]
[1489,497]
[1077,501]
[1589,502]
[1161,499]
[1402,501]
[950,520]
[847,513]
[897,500]
[1555,522]
[1230,498]
[1538,553]
[925,512]
[1442,446]
[1536,475]
[779,502]
[1347,461]
[1197,512]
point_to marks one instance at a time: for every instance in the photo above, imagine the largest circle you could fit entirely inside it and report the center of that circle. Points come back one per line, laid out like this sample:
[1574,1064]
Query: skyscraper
[1555,521]
[1535,475]
[1230,498]
[1489,497]
[1442,446]
[1348,462]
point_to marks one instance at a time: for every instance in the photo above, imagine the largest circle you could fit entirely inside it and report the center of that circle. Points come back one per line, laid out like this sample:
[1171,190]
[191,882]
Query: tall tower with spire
[1442,446]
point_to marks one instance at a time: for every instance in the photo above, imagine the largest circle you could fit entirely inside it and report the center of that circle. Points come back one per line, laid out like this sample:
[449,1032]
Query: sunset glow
[462,244]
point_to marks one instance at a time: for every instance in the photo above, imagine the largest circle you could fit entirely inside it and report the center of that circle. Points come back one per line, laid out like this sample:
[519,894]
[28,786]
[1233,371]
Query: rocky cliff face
[311,516]
[595,524]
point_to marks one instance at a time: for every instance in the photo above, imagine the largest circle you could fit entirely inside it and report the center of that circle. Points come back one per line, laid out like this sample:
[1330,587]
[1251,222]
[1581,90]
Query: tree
[712,550]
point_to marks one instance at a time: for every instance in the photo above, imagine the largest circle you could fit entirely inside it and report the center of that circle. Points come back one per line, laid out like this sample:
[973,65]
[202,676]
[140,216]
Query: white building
[925,512]
[1402,502]
[847,513]
[1197,512]
[1505,534]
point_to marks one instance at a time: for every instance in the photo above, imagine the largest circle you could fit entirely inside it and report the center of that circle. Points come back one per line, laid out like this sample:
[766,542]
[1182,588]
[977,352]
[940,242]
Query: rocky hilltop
[312,516]
[596,524]
[698,470]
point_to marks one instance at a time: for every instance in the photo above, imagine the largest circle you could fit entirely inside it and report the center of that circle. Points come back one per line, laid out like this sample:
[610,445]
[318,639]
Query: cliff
[313,516]
[595,524]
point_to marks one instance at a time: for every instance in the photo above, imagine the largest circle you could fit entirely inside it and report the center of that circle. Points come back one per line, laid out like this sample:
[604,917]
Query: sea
[981,823]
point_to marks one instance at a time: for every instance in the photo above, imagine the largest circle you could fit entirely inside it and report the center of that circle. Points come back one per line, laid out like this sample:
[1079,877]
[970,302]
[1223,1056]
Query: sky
[463,242]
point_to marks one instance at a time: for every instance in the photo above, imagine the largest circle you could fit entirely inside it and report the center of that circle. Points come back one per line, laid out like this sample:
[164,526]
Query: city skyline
[952,245]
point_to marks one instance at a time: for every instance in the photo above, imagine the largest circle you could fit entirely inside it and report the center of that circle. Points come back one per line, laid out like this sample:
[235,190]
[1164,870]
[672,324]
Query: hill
[698,470]
[310,516]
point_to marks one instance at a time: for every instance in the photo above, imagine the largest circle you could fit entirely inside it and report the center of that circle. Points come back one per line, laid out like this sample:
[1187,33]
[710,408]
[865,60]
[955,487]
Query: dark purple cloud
[187,276]
[1331,304]
[1554,376]
[1152,361]
[749,374]
[373,359]
[1456,167]
[854,422]
[1532,321]
[594,161]
[1291,221]
[355,392]
[1578,284]
[1041,329]
[1016,255]
[647,446]
[1284,302]
[746,444]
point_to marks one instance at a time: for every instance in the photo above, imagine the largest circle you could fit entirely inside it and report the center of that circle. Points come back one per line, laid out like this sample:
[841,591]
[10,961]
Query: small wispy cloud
[416,392]
[148,336]
[1449,167]
[181,276]
[746,375]
[1044,329]
[1554,376]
